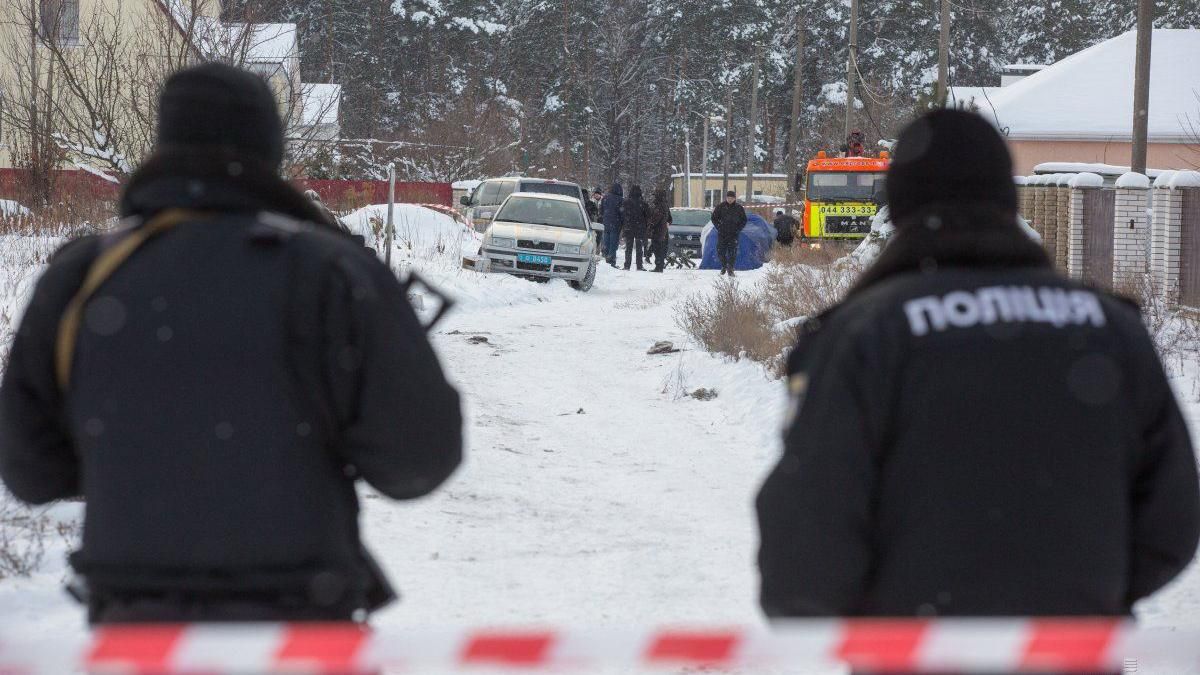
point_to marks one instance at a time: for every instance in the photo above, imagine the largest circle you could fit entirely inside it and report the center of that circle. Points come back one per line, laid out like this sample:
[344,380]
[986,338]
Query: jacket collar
[212,181]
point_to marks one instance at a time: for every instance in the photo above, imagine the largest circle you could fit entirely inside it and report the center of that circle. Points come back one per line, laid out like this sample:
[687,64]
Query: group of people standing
[646,228]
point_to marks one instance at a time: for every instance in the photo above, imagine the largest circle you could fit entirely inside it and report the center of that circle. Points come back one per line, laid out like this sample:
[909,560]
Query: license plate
[535,259]
[846,209]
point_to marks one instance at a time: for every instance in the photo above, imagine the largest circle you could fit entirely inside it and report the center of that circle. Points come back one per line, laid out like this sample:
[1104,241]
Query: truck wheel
[584,285]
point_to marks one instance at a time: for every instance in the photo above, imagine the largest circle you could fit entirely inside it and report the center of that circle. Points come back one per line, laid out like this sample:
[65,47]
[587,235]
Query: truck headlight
[564,248]
[503,242]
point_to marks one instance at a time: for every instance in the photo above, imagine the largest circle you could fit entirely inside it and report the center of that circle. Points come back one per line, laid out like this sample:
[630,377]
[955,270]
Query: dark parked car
[686,225]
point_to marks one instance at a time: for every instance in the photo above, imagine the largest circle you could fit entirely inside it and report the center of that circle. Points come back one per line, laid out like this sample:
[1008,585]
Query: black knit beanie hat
[218,106]
[949,158]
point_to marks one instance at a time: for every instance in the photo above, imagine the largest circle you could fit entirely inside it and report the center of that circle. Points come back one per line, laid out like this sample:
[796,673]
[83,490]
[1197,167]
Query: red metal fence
[338,194]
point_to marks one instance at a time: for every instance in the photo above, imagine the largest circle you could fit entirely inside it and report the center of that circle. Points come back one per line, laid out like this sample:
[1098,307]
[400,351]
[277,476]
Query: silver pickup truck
[540,236]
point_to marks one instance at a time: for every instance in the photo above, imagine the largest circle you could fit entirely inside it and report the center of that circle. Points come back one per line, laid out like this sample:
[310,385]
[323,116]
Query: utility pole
[1141,85]
[944,56]
[753,134]
[852,68]
[703,166]
[728,133]
[794,136]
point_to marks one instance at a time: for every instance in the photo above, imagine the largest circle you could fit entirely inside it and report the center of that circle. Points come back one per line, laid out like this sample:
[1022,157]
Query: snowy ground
[595,491]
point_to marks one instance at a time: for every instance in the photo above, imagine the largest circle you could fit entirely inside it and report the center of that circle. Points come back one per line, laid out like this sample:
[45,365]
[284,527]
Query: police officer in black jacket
[213,379]
[729,219]
[973,433]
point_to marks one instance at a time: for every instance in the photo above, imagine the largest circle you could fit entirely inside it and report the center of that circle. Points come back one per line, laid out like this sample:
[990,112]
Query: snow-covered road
[592,493]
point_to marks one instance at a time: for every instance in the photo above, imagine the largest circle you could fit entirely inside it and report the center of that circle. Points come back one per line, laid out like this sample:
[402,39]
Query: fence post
[1061,204]
[1049,235]
[1076,216]
[1130,228]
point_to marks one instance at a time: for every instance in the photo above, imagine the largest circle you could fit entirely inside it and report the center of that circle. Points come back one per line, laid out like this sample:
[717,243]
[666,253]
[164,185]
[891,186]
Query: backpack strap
[111,257]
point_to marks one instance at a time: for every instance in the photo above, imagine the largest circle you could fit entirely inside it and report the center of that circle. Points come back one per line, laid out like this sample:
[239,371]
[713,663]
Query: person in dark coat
[636,212]
[973,434]
[785,228]
[612,215]
[592,205]
[232,366]
[729,219]
[659,229]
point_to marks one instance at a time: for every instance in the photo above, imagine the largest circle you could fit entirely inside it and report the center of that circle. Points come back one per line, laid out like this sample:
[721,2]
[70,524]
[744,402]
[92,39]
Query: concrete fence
[1175,238]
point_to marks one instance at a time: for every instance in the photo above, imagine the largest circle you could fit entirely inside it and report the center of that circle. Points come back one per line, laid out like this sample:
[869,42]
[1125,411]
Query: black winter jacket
[658,226]
[985,439]
[636,214]
[729,219]
[231,381]
[785,228]
[611,211]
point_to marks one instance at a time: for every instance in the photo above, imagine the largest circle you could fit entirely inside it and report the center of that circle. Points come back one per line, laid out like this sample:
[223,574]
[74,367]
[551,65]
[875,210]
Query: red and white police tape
[881,645]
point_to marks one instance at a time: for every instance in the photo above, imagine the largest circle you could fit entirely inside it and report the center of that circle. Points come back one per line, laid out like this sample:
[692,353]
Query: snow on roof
[966,95]
[465,185]
[1084,167]
[266,42]
[1087,180]
[320,103]
[1089,95]
[1133,181]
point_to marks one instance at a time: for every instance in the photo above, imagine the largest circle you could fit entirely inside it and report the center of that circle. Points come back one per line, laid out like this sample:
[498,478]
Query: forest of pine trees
[603,90]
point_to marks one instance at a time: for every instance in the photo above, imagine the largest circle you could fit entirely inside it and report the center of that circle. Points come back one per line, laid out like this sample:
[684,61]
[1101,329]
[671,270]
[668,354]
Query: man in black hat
[972,433]
[729,219]
[215,376]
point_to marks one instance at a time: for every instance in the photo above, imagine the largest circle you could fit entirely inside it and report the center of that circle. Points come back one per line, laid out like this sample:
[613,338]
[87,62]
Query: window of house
[712,198]
[60,21]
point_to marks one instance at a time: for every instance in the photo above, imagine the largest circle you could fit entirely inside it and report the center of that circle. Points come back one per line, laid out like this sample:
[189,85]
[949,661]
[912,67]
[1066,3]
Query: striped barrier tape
[880,645]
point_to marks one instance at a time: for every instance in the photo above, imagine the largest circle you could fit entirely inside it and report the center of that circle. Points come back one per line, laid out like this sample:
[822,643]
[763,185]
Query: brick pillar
[1062,201]
[1130,231]
[1158,232]
[1167,240]
[1049,234]
[1075,229]
[1022,198]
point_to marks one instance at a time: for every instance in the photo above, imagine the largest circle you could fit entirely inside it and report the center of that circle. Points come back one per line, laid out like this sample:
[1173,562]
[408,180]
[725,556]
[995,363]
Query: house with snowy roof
[1080,109]
[111,56]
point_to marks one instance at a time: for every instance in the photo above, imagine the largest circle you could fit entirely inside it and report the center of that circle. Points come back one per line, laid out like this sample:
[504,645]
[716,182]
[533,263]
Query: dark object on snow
[946,160]
[478,340]
[663,347]
[703,394]
[976,435]
[232,370]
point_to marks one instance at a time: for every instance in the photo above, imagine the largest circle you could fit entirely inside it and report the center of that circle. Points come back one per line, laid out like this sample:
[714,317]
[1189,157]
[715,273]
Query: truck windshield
[535,211]
[829,186]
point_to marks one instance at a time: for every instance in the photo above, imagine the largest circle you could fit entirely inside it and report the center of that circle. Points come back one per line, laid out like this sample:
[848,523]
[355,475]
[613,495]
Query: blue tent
[754,245]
